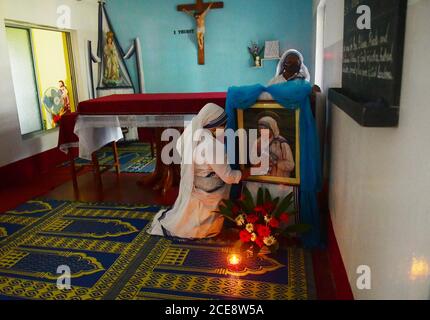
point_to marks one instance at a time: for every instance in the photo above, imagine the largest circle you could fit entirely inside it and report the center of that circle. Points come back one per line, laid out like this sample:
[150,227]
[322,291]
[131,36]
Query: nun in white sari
[290,67]
[205,182]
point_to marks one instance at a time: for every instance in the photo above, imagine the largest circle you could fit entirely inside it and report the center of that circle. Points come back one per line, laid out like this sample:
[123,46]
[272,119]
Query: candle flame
[234,259]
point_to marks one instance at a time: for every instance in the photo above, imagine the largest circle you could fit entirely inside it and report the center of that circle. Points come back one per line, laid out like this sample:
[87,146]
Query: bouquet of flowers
[255,50]
[262,222]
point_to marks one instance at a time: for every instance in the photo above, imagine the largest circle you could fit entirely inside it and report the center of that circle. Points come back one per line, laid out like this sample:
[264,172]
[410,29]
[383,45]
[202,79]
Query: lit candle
[234,259]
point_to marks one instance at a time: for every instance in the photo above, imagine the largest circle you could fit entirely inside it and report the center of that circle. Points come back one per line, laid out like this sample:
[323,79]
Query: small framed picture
[271,50]
[283,147]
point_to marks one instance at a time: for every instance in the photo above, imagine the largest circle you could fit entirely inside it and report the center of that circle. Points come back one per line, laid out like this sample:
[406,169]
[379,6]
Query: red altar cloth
[66,135]
[137,104]
[150,104]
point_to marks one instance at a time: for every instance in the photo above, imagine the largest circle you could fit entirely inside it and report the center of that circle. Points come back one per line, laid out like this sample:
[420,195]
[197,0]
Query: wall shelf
[262,62]
[375,115]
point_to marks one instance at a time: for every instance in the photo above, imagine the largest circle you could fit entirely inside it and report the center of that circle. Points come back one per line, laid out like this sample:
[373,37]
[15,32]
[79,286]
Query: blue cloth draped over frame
[291,95]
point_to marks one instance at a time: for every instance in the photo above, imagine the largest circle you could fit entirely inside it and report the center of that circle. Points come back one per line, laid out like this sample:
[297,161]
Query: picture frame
[271,50]
[285,143]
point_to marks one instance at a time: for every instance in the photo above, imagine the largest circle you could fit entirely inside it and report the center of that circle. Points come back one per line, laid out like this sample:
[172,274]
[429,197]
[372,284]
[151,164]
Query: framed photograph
[271,50]
[284,141]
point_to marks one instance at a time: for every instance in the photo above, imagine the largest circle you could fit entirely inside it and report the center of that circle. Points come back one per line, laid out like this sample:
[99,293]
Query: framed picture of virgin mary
[271,132]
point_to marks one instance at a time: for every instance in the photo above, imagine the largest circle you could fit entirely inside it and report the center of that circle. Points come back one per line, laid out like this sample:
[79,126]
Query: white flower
[250,227]
[240,220]
[267,218]
[269,241]
[253,237]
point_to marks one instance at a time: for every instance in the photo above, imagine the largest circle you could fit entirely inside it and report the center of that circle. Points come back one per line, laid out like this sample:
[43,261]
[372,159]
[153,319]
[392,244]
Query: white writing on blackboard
[369,56]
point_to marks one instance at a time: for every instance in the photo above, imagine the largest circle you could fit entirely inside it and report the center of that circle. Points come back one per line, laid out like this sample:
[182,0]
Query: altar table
[99,121]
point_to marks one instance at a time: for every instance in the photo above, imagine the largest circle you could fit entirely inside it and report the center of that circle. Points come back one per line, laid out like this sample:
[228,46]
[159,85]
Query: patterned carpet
[133,158]
[112,257]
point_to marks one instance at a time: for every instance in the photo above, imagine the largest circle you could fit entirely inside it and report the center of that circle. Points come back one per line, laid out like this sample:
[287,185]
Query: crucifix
[199,11]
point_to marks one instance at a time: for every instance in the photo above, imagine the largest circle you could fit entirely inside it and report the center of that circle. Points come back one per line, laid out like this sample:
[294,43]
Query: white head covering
[271,123]
[211,116]
[303,69]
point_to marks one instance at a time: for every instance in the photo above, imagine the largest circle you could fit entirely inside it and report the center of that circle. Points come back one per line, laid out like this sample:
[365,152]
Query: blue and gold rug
[110,256]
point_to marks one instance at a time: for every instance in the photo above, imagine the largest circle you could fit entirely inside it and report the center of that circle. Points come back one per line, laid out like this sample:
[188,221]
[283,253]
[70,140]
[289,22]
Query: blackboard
[373,59]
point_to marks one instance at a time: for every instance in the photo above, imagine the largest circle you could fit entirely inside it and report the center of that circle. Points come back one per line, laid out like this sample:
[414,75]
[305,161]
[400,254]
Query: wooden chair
[97,168]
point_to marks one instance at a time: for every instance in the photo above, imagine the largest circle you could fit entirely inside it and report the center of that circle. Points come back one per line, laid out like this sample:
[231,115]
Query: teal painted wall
[170,61]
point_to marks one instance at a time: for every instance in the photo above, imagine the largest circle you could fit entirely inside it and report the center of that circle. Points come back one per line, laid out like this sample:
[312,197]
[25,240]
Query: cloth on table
[156,103]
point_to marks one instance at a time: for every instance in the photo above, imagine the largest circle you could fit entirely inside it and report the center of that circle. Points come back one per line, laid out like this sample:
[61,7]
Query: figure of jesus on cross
[199,12]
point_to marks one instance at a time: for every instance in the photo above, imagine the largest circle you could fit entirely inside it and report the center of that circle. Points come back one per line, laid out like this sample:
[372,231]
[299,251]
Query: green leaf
[248,202]
[225,212]
[260,197]
[268,196]
[248,196]
[291,212]
[297,228]
[284,205]
[230,219]
[275,202]
[228,203]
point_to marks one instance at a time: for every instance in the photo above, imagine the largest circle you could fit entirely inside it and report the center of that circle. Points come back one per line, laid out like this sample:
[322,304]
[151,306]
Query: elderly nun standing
[290,67]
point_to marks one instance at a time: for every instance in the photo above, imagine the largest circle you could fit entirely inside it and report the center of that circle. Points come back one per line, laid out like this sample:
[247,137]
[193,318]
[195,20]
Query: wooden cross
[199,11]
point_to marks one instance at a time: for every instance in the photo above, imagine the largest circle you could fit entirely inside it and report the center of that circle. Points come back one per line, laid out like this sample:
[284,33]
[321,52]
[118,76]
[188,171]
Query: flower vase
[257,61]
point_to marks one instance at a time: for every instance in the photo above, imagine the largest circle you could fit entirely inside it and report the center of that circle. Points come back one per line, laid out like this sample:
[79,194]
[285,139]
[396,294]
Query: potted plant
[262,222]
[256,53]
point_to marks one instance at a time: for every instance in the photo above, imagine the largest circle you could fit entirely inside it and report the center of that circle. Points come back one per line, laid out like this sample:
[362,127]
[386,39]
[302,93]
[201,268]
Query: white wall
[380,178]
[40,12]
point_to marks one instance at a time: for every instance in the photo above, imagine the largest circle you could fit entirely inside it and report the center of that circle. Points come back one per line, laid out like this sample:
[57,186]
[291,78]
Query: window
[42,73]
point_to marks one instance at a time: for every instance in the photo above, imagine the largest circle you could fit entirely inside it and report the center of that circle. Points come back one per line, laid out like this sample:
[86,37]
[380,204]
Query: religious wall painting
[111,72]
[284,141]
[114,74]
[56,102]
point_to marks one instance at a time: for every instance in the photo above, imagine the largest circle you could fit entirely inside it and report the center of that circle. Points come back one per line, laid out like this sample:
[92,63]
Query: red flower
[252,218]
[274,223]
[263,231]
[268,206]
[260,210]
[245,236]
[235,210]
[284,217]
[259,242]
